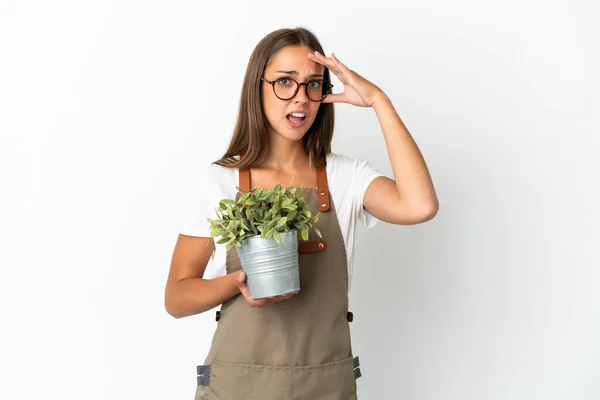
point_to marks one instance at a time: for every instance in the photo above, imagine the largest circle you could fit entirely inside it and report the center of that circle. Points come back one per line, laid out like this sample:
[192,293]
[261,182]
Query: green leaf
[277,236]
[281,222]
[243,198]
[287,202]
[247,235]
[216,231]
[265,195]
[305,233]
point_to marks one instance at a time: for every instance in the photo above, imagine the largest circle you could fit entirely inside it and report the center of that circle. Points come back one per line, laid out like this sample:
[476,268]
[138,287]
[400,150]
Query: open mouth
[296,119]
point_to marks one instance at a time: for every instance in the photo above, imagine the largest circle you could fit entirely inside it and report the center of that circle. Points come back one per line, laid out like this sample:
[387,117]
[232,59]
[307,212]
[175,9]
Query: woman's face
[290,62]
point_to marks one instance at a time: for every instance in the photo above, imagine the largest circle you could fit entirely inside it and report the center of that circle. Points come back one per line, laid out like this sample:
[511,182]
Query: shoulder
[216,171]
[336,159]
[344,166]
[352,173]
[219,181]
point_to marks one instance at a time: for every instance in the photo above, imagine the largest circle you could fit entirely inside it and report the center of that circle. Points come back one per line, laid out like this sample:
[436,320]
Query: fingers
[277,299]
[338,63]
[243,287]
[335,98]
[321,59]
[258,303]
[333,63]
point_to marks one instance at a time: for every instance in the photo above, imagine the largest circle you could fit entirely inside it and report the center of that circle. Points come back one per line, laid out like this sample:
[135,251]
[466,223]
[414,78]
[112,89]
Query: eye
[315,84]
[284,82]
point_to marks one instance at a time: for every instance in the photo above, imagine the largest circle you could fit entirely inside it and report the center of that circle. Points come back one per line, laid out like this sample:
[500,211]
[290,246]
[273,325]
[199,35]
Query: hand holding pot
[259,303]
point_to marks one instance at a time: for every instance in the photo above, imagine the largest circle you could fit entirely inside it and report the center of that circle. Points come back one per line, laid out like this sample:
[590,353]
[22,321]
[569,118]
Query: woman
[294,346]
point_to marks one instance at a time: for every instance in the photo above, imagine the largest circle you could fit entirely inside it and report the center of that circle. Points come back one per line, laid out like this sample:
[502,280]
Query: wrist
[380,99]
[233,281]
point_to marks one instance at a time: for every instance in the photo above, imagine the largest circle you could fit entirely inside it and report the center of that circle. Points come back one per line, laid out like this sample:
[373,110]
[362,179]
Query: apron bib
[299,348]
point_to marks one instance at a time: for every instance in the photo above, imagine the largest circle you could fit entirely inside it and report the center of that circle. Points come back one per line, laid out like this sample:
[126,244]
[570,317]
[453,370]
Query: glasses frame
[327,85]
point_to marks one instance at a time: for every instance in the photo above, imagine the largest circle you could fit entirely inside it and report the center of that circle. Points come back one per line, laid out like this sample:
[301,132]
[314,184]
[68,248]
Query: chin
[292,134]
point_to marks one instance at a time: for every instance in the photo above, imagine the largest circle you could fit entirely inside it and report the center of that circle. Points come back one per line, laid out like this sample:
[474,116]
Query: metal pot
[271,268]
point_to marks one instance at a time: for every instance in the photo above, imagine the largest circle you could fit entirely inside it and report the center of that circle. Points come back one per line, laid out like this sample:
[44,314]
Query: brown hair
[250,136]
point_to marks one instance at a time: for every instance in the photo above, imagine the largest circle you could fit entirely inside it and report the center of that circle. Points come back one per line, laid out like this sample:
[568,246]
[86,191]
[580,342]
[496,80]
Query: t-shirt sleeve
[364,175]
[198,204]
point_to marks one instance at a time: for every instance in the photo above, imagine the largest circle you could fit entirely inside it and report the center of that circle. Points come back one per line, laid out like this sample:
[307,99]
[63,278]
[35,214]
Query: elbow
[406,214]
[171,310]
[171,306]
[425,212]
[430,211]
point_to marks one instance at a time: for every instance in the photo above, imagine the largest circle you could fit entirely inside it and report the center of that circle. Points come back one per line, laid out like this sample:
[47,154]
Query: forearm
[411,175]
[196,295]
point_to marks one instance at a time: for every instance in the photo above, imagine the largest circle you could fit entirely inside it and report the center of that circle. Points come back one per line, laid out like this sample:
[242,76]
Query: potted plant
[264,226]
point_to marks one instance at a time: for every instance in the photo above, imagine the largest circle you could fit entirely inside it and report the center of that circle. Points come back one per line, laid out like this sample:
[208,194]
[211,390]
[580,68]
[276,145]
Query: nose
[302,95]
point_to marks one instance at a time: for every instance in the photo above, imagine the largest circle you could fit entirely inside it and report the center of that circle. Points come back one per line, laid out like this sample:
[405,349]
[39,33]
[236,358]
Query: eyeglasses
[287,88]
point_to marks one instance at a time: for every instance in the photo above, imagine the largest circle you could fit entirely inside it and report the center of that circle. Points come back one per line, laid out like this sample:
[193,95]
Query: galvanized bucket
[271,268]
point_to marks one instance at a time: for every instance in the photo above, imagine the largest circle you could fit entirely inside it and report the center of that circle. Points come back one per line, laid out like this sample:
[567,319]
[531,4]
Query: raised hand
[357,90]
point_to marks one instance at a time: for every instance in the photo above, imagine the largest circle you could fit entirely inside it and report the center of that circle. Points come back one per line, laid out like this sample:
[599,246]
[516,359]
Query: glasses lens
[316,90]
[285,88]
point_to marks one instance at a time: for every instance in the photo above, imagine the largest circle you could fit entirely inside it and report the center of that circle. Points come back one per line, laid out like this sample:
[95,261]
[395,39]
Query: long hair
[250,136]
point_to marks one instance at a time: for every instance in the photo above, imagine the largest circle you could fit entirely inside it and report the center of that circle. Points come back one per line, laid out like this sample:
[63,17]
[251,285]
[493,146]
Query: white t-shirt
[348,179]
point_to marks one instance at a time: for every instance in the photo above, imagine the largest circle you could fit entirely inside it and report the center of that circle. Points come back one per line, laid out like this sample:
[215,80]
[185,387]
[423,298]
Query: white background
[108,109]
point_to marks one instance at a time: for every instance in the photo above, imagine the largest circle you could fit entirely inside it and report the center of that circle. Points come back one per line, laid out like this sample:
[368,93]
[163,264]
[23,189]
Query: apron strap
[312,246]
[323,189]
[245,180]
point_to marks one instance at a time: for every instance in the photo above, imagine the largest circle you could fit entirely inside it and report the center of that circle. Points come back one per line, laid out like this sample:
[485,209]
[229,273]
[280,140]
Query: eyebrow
[291,72]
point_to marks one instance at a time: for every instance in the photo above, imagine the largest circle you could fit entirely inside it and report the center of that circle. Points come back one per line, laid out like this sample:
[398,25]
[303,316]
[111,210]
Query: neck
[285,154]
